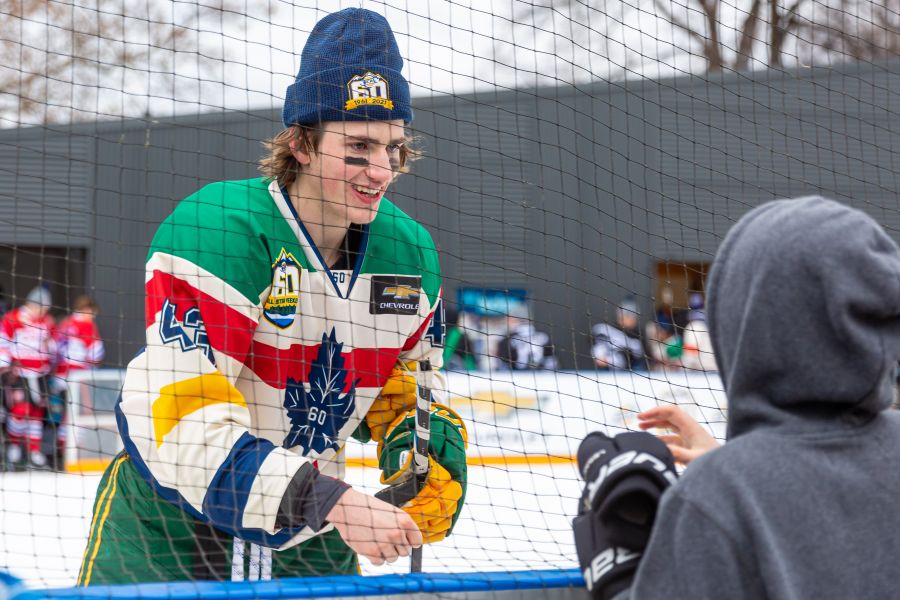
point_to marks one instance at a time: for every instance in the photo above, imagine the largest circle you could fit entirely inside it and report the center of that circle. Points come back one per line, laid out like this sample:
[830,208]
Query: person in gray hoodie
[801,501]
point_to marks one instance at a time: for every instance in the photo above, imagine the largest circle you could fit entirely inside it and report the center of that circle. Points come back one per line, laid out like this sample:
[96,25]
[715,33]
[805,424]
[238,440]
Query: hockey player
[524,347]
[697,353]
[620,347]
[804,314]
[79,341]
[281,316]
[27,354]
[79,347]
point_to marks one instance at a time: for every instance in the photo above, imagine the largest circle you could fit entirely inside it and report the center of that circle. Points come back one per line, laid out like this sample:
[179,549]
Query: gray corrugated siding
[570,193]
[492,195]
[725,148]
[45,191]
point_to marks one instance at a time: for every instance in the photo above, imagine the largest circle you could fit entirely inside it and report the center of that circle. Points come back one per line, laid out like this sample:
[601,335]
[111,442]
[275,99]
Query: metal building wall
[571,193]
[143,170]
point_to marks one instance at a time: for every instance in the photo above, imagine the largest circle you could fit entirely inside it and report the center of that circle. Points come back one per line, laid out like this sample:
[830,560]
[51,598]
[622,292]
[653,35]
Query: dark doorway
[675,282]
[61,269]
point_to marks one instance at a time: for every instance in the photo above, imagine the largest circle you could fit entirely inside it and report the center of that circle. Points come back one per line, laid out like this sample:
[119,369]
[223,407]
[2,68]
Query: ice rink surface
[515,518]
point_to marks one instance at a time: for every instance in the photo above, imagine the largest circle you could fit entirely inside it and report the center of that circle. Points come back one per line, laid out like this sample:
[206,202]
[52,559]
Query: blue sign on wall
[492,303]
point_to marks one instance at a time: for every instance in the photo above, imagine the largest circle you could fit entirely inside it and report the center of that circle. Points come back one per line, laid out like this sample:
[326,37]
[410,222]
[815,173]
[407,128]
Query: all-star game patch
[395,295]
[370,88]
[280,308]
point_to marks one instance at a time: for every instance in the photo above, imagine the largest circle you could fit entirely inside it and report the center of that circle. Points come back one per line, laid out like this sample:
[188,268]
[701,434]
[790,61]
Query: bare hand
[375,529]
[689,439]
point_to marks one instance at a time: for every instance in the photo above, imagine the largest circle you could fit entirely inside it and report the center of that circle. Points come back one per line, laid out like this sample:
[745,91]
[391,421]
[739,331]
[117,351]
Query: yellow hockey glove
[436,506]
[436,503]
[398,396]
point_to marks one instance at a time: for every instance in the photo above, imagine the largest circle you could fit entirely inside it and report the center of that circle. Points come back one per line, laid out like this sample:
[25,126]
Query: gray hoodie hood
[804,316]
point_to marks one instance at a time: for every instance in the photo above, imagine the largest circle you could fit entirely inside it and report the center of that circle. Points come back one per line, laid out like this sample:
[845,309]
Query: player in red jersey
[27,354]
[80,348]
[80,344]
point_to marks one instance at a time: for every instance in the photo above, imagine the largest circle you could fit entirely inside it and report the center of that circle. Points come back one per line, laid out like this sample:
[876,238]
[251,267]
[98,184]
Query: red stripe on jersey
[228,330]
[417,336]
[371,366]
[231,333]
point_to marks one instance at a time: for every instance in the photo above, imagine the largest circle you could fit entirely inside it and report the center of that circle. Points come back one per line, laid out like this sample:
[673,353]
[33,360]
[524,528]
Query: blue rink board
[311,587]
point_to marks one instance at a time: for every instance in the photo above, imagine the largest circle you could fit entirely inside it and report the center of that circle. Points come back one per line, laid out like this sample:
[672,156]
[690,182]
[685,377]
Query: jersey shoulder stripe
[229,229]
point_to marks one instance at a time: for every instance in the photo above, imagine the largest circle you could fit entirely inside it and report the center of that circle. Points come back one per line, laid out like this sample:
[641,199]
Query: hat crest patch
[370,88]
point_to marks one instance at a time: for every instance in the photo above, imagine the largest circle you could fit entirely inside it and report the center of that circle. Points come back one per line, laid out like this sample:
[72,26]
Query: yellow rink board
[97,465]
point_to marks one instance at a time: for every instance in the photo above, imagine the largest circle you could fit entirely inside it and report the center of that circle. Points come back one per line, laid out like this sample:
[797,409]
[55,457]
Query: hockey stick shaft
[423,437]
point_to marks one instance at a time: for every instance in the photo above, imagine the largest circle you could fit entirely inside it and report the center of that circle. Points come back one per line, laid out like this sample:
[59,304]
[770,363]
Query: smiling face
[350,172]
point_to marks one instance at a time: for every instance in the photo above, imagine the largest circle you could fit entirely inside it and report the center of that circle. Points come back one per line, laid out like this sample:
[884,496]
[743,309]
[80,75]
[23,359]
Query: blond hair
[280,164]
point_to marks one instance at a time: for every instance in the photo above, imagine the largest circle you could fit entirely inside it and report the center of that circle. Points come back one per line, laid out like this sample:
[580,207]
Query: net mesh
[580,164]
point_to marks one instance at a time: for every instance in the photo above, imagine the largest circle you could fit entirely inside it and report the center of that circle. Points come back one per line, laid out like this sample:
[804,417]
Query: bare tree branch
[852,29]
[713,48]
[56,56]
[826,29]
[681,24]
[539,16]
[747,36]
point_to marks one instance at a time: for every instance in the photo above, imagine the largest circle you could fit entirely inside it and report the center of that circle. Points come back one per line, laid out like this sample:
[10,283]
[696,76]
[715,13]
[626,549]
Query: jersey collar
[316,258]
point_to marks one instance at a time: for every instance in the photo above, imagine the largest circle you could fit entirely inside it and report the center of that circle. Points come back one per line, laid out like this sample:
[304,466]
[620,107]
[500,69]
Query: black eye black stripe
[364,162]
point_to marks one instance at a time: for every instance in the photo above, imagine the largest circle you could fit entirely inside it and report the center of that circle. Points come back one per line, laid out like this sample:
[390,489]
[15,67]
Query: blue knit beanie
[349,71]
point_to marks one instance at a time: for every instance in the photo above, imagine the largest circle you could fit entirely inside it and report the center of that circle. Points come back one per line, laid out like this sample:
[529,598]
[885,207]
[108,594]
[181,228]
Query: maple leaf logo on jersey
[317,415]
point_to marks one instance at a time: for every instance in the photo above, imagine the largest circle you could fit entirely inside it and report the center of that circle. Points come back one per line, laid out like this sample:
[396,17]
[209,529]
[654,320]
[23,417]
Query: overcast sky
[450,47]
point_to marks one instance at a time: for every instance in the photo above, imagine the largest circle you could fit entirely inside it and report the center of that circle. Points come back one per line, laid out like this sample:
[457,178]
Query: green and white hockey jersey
[259,359]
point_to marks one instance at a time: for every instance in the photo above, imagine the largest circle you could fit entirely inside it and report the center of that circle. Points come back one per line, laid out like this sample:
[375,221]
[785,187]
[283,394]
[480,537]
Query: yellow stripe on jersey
[103,504]
[179,399]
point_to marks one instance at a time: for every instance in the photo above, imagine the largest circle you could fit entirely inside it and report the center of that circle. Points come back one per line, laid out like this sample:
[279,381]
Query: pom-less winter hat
[349,71]
[629,306]
[40,296]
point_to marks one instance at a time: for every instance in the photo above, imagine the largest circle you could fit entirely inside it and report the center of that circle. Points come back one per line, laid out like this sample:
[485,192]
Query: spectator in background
[459,348]
[620,347]
[697,352]
[662,335]
[665,312]
[4,307]
[80,344]
[524,347]
[27,354]
[663,345]
[800,501]
[80,348]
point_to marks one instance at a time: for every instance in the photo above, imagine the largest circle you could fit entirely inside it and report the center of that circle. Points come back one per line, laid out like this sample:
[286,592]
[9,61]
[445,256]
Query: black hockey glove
[625,477]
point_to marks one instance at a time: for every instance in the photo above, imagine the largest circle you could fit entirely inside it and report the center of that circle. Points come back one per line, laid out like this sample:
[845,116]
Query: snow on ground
[515,518]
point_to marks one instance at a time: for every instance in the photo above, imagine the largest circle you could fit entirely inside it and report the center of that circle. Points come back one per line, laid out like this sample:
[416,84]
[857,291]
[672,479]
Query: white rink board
[509,415]
[517,516]
[526,413]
